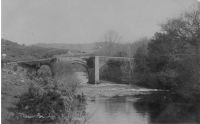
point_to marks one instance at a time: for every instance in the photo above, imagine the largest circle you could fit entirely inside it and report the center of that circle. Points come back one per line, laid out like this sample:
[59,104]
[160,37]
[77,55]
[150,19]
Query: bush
[49,99]
[189,77]
[47,103]
[50,103]
[44,71]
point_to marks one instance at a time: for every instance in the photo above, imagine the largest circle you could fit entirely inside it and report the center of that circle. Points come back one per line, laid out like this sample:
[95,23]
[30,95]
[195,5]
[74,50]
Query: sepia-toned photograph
[100,62]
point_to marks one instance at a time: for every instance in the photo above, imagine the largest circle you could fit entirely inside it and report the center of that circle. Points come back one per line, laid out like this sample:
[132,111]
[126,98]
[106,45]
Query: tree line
[172,58]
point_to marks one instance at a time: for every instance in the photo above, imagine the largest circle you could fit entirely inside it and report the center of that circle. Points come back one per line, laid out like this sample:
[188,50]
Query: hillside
[16,52]
[100,48]
[88,48]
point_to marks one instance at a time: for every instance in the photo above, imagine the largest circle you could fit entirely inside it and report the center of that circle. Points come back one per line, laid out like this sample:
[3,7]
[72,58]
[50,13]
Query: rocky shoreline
[107,89]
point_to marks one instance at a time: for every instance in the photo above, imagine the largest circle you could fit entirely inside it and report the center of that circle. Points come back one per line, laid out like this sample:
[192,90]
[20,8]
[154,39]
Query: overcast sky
[85,21]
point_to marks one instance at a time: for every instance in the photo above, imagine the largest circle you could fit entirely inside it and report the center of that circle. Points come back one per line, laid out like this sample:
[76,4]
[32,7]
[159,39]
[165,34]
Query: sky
[86,21]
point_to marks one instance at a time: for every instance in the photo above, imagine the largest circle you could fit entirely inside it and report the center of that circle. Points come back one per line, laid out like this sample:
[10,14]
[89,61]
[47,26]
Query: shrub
[51,99]
[44,71]
[50,103]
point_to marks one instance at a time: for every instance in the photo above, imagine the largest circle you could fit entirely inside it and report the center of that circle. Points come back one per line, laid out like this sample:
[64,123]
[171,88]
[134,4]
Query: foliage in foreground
[51,100]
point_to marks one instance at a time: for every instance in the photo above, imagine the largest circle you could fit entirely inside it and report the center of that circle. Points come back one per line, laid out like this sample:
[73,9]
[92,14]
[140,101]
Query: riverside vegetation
[172,58]
[50,98]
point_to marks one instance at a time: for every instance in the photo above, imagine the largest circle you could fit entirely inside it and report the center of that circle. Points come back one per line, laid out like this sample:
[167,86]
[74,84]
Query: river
[150,108]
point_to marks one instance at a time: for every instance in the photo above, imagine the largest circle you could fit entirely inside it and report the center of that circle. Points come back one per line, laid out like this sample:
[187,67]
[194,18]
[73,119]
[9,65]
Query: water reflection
[167,108]
[154,108]
[117,110]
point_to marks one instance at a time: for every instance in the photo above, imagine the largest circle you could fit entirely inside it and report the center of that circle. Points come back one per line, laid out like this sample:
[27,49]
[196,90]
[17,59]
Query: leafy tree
[173,61]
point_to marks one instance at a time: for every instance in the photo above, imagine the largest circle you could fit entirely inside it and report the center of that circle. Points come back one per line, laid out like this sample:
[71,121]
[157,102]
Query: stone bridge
[93,64]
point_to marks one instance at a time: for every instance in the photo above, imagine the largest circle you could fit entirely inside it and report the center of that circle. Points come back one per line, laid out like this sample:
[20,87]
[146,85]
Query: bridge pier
[96,69]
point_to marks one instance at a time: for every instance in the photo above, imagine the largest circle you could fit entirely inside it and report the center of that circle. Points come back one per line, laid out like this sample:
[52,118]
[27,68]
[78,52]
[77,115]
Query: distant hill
[101,48]
[17,52]
[88,48]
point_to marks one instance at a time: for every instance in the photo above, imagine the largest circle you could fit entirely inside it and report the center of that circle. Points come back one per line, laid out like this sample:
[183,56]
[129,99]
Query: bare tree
[110,43]
[111,37]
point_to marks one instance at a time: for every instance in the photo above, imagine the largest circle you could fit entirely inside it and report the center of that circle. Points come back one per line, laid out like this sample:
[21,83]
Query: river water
[151,108]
